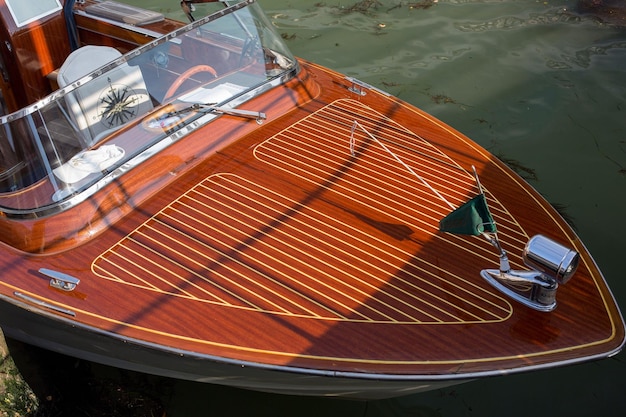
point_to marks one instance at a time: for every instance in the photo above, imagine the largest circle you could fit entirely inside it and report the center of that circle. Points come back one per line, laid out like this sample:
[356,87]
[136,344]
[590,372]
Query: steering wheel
[185,76]
[247,51]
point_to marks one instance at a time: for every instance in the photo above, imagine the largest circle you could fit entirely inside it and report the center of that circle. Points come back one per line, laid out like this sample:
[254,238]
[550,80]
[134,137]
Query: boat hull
[23,323]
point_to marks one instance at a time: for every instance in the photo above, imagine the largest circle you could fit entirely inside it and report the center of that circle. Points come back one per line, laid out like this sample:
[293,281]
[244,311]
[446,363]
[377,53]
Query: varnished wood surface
[283,248]
[248,226]
[29,54]
[93,30]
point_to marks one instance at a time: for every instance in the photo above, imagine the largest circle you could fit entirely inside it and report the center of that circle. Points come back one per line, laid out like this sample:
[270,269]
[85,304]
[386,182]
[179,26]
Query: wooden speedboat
[193,201]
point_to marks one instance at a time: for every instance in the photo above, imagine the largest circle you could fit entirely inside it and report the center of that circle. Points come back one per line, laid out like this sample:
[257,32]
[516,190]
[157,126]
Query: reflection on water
[535,82]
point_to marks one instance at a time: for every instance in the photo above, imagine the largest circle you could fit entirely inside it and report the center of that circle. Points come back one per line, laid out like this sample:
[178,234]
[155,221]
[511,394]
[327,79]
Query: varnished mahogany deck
[242,242]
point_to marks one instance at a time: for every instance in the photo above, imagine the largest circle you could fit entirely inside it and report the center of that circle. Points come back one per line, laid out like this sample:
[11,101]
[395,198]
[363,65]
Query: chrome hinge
[359,87]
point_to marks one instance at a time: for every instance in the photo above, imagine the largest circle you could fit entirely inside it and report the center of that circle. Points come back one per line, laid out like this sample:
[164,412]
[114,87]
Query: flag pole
[493,238]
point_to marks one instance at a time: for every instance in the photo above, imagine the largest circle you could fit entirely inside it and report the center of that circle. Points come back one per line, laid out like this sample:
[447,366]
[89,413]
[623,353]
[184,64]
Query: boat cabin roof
[112,110]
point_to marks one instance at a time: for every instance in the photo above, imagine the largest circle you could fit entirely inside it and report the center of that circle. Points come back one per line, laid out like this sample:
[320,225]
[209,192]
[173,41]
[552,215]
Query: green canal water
[538,84]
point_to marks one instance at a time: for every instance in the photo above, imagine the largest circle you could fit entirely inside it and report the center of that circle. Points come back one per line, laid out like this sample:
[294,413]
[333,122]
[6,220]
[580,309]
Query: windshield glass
[114,111]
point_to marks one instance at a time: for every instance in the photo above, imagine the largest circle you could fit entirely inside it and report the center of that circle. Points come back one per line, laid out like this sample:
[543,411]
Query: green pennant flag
[472,218]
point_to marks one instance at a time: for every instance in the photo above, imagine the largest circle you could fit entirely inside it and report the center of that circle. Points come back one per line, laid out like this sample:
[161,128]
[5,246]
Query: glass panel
[123,110]
[24,12]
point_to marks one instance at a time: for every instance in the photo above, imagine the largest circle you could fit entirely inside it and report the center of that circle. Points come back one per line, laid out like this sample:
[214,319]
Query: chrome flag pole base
[531,288]
[552,264]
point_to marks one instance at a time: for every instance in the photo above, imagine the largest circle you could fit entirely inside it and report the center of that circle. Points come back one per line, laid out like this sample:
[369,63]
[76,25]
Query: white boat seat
[107,102]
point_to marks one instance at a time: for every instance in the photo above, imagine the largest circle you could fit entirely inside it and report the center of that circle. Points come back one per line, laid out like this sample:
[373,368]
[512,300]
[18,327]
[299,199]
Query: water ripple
[583,58]
[514,22]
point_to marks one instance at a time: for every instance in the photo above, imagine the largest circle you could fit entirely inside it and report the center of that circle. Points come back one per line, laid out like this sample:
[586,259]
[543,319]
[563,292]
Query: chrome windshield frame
[68,196]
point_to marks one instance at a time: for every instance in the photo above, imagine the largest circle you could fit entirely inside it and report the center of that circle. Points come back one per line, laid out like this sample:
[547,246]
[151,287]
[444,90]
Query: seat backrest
[107,102]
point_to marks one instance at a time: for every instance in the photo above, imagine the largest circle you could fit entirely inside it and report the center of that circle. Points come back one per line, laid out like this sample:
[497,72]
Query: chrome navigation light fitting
[551,258]
[552,264]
